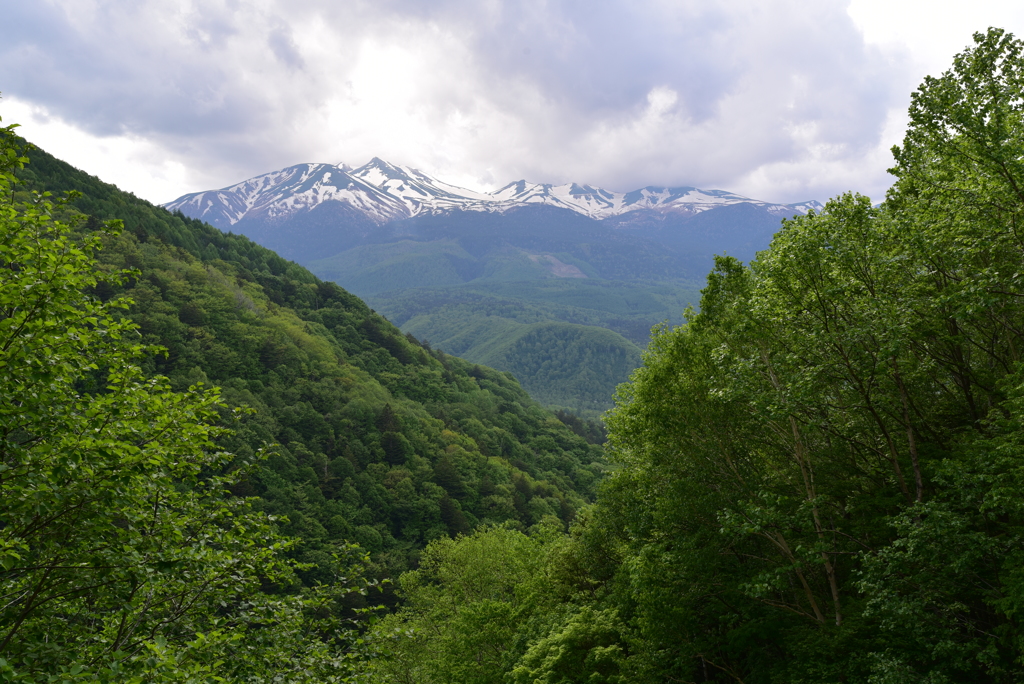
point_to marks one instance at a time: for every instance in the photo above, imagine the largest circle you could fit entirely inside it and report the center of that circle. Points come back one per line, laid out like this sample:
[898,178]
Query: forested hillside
[818,477]
[629,309]
[382,441]
[475,284]
[593,330]
[369,436]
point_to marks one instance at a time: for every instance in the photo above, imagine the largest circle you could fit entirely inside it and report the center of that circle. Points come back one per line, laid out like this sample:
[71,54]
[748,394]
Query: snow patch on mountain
[556,266]
[385,192]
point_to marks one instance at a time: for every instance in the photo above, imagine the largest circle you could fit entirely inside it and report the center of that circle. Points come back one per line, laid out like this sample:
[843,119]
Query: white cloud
[923,38]
[928,32]
[132,163]
[779,99]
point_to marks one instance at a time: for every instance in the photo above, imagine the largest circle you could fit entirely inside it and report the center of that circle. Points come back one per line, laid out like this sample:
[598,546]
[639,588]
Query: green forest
[217,467]
[570,342]
[593,329]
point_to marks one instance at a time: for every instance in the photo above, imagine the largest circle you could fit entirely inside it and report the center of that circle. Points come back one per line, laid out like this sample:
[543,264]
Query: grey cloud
[597,56]
[551,91]
[282,44]
[794,67]
[113,71]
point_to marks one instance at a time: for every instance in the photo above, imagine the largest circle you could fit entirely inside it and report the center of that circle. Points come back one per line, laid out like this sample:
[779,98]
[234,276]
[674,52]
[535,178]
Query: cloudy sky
[781,100]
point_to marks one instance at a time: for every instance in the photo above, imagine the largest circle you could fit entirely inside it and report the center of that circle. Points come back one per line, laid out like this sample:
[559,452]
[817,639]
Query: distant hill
[561,364]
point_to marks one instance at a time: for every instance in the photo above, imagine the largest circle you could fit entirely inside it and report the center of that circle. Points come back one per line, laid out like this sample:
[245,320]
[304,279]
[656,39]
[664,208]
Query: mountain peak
[384,191]
[378,163]
[378,172]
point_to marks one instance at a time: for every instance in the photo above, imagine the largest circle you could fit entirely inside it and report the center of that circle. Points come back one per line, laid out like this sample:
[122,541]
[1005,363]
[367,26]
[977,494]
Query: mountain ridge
[385,192]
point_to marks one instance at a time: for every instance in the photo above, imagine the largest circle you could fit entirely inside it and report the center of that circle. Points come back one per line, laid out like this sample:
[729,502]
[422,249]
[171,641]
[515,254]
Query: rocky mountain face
[384,192]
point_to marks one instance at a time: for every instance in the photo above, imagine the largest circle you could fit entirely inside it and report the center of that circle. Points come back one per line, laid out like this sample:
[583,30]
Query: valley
[559,285]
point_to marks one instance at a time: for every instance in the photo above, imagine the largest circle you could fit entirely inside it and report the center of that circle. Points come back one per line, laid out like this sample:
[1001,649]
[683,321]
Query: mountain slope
[562,364]
[599,250]
[296,189]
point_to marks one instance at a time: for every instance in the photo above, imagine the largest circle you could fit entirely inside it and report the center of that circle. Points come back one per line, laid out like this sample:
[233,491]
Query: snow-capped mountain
[384,192]
[416,190]
[598,203]
[289,191]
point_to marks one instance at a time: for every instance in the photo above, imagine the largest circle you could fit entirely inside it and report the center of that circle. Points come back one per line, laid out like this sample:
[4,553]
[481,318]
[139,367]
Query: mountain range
[558,284]
[385,192]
